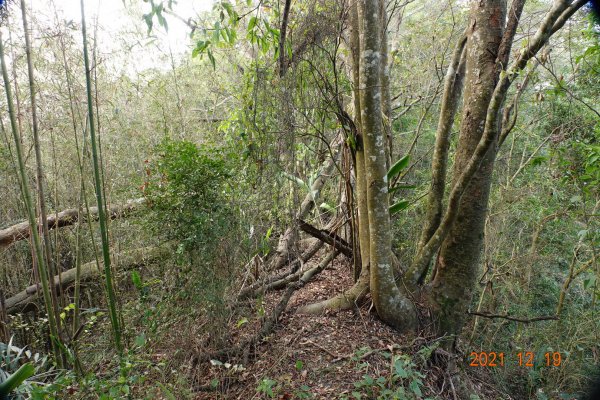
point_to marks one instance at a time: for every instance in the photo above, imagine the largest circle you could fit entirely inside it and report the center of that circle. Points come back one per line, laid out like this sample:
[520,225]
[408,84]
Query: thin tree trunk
[392,306]
[282,37]
[100,197]
[452,92]
[386,98]
[361,185]
[29,205]
[40,171]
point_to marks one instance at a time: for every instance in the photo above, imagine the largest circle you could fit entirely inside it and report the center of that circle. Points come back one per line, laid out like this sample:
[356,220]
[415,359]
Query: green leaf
[212,59]
[588,282]
[241,322]
[229,8]
[415,387]
[148,19]
[137,280]
[399,166]
[399,187]
[327,207]
[140,340]
[12,382]
[299,365]
[252,23]
[399,206]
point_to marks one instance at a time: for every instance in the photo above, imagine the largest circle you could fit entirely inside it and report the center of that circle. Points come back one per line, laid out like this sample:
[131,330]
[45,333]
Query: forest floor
[332,356]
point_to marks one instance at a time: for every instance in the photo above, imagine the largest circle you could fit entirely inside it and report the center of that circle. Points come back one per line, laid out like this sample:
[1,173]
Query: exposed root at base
[344,301]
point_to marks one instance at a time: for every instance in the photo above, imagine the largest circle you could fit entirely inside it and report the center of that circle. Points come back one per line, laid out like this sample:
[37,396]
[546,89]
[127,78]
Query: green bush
[189,199]
[185,190]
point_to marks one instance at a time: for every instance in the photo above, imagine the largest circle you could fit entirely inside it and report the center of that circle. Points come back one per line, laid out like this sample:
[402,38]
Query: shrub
[186,193]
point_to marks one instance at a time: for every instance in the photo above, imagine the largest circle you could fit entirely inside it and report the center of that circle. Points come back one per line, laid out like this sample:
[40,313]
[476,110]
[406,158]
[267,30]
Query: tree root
[344,301]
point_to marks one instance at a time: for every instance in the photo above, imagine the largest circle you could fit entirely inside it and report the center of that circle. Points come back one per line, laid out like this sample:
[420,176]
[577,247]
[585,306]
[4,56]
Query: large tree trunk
[457,262]
[392,306]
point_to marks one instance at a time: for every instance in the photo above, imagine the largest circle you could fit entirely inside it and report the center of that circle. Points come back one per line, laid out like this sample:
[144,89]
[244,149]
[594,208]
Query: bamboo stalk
[27,199]
[47,247]
[110,293]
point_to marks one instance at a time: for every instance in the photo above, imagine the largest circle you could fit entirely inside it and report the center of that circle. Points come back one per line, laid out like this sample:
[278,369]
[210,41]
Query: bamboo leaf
[399,187]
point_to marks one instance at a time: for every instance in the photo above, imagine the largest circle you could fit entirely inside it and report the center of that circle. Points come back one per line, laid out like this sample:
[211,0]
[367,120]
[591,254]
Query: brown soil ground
[325,355]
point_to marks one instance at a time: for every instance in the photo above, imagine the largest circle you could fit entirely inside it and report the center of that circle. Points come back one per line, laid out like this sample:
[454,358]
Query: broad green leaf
[399,206]
[252,23]
[399,166]
[140,340]
[13,381]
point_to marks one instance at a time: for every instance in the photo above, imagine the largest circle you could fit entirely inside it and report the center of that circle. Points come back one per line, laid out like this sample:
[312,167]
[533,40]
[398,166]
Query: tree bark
[68,217]
[392,306]
[361,185]
[386,97]
[459,255]
[282,36]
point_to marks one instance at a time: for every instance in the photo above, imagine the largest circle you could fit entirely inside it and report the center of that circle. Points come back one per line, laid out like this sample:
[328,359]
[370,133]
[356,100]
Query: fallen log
[23,300]
[68,217]
[328,237]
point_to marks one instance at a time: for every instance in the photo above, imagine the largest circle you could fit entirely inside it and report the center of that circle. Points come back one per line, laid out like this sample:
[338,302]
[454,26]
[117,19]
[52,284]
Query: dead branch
[268,325]
[517,319]
[328,237]
[261,286]
[23,300]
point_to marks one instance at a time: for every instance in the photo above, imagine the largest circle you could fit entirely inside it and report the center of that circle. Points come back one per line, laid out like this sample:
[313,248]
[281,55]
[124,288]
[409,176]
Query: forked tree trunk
[456,265]
[453,84]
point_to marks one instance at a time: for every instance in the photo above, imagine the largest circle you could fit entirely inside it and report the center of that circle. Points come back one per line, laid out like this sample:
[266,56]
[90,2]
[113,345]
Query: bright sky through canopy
[114,18]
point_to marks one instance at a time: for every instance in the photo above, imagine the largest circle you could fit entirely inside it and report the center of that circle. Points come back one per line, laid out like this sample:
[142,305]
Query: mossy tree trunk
[391,304]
